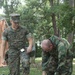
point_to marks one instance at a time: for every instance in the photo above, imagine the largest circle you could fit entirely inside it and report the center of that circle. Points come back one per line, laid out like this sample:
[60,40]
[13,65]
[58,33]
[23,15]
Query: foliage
[9,6]
[66,17]
[1,3]
[38,52]
[36,15]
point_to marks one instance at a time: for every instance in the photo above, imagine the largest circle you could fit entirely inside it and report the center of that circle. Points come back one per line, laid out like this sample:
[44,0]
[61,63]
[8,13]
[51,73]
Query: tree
[70,35]
[9,6]
[53,18]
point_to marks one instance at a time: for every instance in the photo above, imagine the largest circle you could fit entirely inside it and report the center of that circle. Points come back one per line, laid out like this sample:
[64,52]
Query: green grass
[34,70]
[4,70]
[73,69]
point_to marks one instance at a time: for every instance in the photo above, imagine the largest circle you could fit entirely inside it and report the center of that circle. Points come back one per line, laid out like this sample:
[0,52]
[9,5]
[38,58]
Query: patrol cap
[15,17]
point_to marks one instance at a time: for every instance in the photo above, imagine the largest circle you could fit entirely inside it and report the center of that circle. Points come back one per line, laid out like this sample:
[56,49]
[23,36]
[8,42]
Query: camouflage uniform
[59,60]
[16,41]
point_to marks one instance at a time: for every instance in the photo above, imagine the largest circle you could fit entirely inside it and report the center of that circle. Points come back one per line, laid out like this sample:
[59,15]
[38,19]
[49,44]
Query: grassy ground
[35,69]
[73,67]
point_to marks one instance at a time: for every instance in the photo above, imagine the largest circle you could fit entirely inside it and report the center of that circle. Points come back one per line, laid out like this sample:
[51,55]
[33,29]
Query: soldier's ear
[50,46]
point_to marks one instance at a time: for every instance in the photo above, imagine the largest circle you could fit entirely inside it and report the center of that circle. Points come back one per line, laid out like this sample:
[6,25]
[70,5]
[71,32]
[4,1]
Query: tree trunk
[54,24]
[71,2]
[53,19]
[74,3]
[58,19]
[6,9]
[70,35]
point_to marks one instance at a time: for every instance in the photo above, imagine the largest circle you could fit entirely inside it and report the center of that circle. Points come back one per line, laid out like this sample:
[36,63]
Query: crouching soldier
[57,56]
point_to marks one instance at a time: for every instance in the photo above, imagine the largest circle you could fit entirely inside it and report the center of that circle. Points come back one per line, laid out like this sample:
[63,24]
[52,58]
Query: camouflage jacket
[15,38]
[60,58]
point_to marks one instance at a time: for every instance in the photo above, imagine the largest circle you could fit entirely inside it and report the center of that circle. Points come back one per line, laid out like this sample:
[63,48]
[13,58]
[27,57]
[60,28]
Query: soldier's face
[15,24]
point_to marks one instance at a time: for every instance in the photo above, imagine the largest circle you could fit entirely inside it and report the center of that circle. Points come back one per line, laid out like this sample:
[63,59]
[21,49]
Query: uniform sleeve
[28,34]
[45,57]
[4,36]
[62,53]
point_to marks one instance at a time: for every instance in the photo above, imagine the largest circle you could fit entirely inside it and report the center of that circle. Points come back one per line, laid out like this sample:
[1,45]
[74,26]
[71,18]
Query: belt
[22,48]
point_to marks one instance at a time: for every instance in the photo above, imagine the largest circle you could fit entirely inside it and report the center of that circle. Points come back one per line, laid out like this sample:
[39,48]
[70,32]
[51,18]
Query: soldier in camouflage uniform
[16,37]
[56,57]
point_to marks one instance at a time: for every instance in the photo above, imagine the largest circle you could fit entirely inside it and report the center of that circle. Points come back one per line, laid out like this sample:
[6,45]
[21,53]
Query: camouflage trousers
[14,58]
[52,67]
[53,73]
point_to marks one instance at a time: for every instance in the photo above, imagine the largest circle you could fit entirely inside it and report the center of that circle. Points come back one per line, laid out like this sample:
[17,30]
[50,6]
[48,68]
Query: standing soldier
[57,56]
[16,37]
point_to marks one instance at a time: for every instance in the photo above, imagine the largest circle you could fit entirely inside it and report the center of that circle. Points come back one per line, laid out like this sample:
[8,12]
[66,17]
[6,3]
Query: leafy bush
[38,51]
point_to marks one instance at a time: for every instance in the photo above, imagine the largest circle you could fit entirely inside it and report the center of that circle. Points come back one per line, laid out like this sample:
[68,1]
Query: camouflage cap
[15,17]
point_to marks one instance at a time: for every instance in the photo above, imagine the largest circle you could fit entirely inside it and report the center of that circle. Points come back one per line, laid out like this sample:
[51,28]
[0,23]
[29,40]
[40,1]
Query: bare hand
[44,73]
[3,63]
[29,49]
